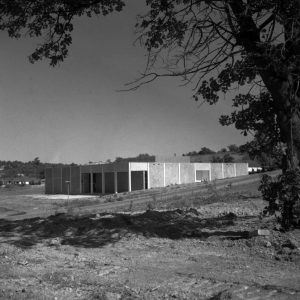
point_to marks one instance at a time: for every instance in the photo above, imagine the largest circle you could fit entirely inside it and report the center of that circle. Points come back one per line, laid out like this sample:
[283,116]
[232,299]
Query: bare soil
[194,247]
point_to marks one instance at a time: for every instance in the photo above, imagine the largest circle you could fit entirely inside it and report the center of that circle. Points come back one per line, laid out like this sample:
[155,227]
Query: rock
[290,243]
[22,262]
[193,211]
[112,296]
[231,216]
[115,236]
[268,244]
[55,242]
[263,232]
[260,232]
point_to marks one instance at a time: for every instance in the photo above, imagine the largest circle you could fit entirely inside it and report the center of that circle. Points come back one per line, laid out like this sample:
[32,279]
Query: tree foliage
[221,45]
[50,20]
[34,168]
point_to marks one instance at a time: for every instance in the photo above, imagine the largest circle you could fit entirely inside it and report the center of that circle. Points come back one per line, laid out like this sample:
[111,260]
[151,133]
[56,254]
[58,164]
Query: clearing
[160,245]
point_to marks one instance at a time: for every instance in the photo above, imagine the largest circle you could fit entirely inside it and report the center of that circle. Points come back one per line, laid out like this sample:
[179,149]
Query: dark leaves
[51,19]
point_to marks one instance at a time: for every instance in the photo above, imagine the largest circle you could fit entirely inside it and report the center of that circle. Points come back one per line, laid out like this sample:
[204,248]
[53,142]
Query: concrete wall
[75,186]
[57,186]
[171,173]
[156,175]
[122,180]
[216,171]
[187,173]
[48,181]
[138,166]
[241,169]
[229,170]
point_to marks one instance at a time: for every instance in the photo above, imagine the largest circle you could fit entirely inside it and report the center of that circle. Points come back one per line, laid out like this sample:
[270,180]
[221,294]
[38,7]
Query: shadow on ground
[98,230]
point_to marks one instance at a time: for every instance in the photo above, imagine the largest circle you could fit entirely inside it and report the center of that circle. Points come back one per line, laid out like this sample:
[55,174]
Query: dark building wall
[48,181]
[137,181]
[75,180]
[122,180]
[65,177]
[202,175]
[57,188]
[86,183]
[109,182]
[97,182]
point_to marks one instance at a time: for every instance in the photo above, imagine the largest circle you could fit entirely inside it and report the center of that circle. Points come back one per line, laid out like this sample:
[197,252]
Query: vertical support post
[234,167]
[70,184]
[209,171]
[103,181]
[164,174]
[223,174]
[179,178]
[115,182]
[129,177]
[148,175]
[61,181]
[92,183]
[80,181]
[52,180]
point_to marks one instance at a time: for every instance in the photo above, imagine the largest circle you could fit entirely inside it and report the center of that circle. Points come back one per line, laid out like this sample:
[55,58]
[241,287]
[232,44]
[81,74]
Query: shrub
[282,194]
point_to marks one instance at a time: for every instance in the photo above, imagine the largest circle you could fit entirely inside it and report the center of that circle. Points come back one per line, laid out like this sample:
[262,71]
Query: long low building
[131,176]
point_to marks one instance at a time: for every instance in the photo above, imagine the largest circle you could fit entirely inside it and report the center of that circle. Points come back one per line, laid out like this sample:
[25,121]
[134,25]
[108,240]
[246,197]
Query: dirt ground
[202,247]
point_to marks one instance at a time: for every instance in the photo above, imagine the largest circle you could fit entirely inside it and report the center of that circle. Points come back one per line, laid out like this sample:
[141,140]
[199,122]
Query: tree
[250,42]
[222,150]
[269,157]
[53,20]
[205,150]
[233,148]
[227,158]
[217,159]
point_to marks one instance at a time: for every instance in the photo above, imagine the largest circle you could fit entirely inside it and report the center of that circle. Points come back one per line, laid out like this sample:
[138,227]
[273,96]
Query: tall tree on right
[222,45]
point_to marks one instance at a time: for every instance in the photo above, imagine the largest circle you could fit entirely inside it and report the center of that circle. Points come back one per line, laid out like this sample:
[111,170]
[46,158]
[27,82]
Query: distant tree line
[204,150]
[34,168]
[144,157]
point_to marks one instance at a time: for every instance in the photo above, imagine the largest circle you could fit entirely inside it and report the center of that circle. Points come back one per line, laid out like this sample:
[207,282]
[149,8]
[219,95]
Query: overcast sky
[73,112]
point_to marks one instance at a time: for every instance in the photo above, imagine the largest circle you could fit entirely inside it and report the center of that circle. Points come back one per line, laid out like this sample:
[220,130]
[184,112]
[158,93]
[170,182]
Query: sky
[75,113]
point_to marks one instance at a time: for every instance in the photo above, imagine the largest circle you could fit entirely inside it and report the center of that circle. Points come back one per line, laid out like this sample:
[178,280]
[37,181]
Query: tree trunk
[280,73]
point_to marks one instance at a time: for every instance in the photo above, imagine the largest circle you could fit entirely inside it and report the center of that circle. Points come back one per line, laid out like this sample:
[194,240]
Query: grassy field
[189,246]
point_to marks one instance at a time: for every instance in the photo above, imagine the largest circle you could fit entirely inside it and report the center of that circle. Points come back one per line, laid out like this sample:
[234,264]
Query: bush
[283,195]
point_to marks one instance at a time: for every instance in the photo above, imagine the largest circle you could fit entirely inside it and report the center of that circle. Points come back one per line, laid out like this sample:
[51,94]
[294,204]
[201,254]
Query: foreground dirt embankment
[199,248]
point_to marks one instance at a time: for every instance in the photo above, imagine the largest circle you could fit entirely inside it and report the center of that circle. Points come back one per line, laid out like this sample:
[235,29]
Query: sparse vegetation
[192,246]
[282,195]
